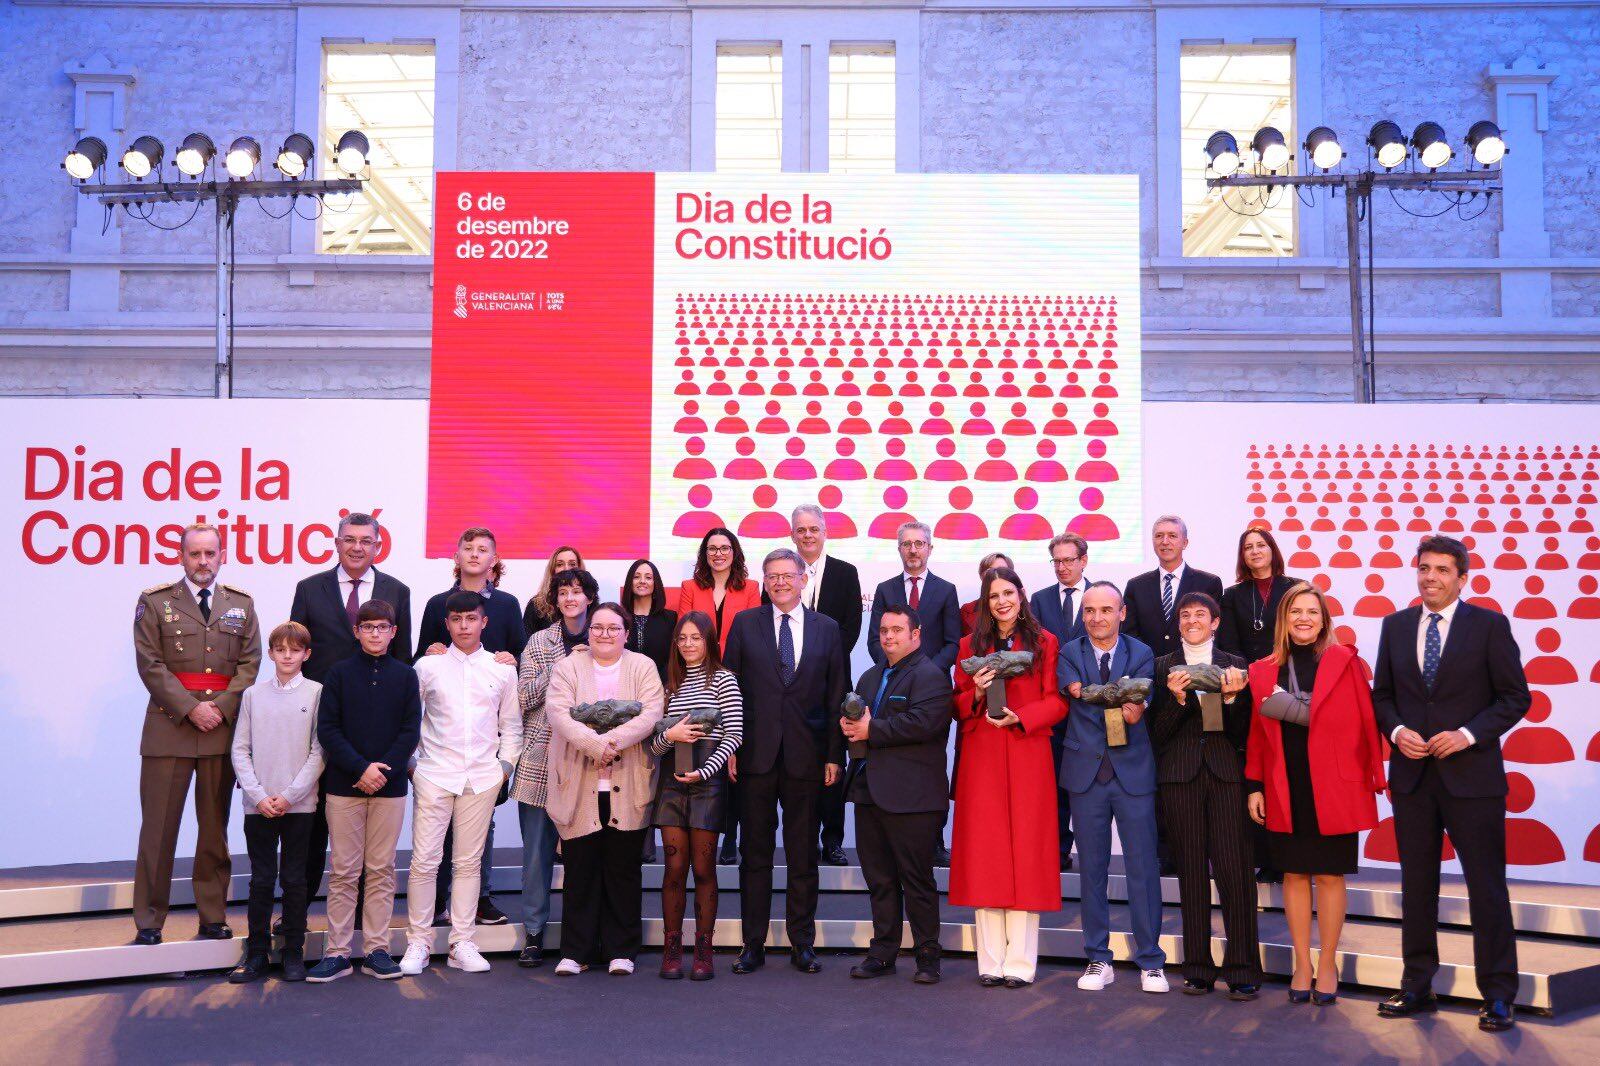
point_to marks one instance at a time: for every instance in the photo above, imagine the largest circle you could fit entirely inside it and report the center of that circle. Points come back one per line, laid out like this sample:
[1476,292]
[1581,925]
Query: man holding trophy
[1109,766]
[898,723]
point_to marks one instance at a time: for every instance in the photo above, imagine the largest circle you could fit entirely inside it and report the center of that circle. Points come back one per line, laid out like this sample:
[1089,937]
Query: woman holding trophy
[704,724]
[1005,855]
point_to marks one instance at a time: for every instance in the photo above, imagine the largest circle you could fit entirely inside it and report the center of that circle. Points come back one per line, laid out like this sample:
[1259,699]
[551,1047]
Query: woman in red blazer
[721,586]
[1005,857]
[1313,785]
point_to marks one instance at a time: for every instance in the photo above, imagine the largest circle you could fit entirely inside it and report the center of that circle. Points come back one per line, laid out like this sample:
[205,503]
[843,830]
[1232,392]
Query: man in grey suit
[1059,609]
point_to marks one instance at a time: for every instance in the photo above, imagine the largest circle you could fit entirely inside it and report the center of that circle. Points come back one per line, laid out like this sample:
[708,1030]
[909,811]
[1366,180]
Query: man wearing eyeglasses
[327,605]
[790,664]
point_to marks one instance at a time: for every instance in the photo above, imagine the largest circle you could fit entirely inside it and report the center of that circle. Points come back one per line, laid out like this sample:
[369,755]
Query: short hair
[1073,539]
[783,555]
[198,527]
[1436,544]
[580,578]
[927,534]
[376,610]
[292,634]
[1199,599]
[1103,585]
[990,561]
[497,572]
[1171,519]
[913,619]
[464,601]
[361,518]
[811,509]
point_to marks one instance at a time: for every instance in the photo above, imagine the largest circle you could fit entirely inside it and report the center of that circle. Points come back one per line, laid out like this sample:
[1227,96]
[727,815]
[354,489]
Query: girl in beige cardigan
[602,832]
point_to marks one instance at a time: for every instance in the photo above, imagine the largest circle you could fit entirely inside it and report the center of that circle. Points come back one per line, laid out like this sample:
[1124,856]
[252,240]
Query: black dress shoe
[1017,982]
[1241,992]
[489,914]
[532,956]
[835,856]
[147,937]
[1066,862]
[990,981]
[729,855]
[251,969]
[941,856]
[294,966]
[803,957]
[1193,986]
[1496,1016]
[927,968]
[215,931]
[870,967]
[750,960]
[1406,1004]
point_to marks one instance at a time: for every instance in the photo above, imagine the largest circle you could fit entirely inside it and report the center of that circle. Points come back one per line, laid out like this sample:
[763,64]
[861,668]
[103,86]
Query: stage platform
[62,925]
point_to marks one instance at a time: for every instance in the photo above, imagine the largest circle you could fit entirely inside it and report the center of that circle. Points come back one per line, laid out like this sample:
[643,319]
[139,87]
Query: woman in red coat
[1312,768]
[721,586]
[1004,857]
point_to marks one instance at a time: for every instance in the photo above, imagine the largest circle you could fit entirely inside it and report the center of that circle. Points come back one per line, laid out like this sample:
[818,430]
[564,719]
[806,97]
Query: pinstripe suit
[1202,800]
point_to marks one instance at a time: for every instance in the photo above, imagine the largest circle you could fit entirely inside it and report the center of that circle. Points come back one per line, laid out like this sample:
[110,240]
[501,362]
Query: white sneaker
[415,960]
[620,967]
[1154,981]
[569,968]
[466,956]
[1096,976]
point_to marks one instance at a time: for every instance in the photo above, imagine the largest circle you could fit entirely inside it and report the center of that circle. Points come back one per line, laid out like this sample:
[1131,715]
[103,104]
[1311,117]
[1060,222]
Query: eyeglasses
[914,545]
[374,629]
[355,542]
[785,578]
[726,549]
[606,631]
[1066,562]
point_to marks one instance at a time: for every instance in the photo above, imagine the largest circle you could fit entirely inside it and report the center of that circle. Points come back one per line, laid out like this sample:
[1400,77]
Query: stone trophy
[683,754]
[1205,681]
[853,708]
[1112,696]
[1005,664]
[603,716]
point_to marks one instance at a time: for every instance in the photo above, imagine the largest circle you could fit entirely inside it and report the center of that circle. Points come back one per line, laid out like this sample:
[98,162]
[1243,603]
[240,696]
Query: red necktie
[916,598]
[352,606]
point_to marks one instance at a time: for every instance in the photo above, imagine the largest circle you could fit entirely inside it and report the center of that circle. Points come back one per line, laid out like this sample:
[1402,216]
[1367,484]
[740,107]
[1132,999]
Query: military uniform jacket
[170,638]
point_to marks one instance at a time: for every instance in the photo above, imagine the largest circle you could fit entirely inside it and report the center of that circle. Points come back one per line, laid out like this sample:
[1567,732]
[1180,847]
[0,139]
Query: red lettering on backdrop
[516,442]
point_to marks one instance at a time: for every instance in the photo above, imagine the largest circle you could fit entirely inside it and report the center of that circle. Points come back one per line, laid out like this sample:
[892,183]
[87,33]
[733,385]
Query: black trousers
[830,812]
[1208,829]
[277,848]
[730,814]
[601,897]
[1063,797]
[896,853]
[317,847]
[759,797]
[1477,828]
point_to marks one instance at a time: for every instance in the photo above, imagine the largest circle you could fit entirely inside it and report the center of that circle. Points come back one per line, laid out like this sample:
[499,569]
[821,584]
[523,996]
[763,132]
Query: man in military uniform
[197,645]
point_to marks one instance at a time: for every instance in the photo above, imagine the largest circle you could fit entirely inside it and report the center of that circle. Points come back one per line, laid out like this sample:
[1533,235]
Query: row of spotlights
[1387,140]
[145,154]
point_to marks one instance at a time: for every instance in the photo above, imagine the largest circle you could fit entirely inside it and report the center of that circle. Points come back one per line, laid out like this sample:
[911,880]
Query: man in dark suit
[326,604]
[1199,775]
[935,601]
[833,588]
[1152,597]
[1059,609]
[1448,684]
[791,669]
[900,790]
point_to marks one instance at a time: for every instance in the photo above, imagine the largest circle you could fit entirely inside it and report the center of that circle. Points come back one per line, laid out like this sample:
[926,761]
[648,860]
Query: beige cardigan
[575,749]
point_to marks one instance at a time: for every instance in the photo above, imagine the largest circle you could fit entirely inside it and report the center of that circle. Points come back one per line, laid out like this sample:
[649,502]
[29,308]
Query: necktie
[1105,668]
[1430,652]
[352,606]
[1066,607]
[1166,596]
[786,651]
[205,605]
[916,599]
[1106,771]
[882,685]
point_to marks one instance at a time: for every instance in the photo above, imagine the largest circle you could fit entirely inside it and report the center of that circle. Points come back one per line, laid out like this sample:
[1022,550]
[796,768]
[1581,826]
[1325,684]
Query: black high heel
[1299,996]
[1322,999]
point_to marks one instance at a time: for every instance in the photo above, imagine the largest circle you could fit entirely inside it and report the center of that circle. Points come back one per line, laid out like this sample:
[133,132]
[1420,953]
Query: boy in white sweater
[278,761]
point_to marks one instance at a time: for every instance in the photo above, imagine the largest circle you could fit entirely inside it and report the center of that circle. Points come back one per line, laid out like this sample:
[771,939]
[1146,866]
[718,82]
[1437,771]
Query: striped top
[696,694]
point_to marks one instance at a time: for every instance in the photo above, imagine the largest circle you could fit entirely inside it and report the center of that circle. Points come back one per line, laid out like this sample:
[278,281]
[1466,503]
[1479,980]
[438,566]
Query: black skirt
[1306,850]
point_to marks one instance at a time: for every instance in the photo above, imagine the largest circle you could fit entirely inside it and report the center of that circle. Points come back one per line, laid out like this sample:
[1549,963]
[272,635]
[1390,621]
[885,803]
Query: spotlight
[1222,152]
[243,155]
[295,155]
[352,152]
[1485,143]
[143,157]
[1322,145]
[194,154]
[1269,148]
[86,157]
[1428,142]
[1388,144]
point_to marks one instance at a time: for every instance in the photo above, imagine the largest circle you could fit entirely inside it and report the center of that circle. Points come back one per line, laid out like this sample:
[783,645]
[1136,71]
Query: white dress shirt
[797,628]
[363,591]
[814,581]
[922,585]
[294,682]
[194,590]
[1446,614]
[1177,583]
[1077,597]
[471,722]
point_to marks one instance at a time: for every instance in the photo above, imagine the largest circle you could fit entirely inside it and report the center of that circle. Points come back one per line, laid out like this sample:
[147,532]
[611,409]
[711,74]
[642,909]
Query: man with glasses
[327,604]
[791,668]
[1059,608]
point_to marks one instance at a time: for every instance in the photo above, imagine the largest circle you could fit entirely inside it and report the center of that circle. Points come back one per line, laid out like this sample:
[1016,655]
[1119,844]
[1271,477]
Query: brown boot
[703,970]
[672,958]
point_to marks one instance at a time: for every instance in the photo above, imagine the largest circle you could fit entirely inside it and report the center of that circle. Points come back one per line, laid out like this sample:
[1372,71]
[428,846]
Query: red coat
[691,597]
[1005,849]
[1344,751]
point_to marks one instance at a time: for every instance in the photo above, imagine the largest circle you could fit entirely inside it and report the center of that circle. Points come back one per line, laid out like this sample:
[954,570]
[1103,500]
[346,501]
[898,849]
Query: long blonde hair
[544,600]
[1282,643]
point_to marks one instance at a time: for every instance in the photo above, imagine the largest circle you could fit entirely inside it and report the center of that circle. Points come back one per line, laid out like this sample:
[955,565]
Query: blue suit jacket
[1046,604]
[939,610]
[1085,742]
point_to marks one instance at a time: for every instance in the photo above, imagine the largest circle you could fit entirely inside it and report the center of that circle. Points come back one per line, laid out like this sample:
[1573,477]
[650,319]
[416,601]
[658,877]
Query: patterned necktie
[352,606]
[1430,652]
[1105,668]
[205,604]
[1166,596]
[916,599]
[786,651]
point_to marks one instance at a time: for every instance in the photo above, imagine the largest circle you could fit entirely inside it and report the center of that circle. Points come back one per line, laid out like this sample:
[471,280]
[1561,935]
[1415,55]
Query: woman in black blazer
[648,627]
[1250,607]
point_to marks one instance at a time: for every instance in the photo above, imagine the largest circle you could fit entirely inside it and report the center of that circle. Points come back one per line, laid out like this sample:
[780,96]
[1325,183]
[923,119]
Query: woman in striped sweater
[689,807]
